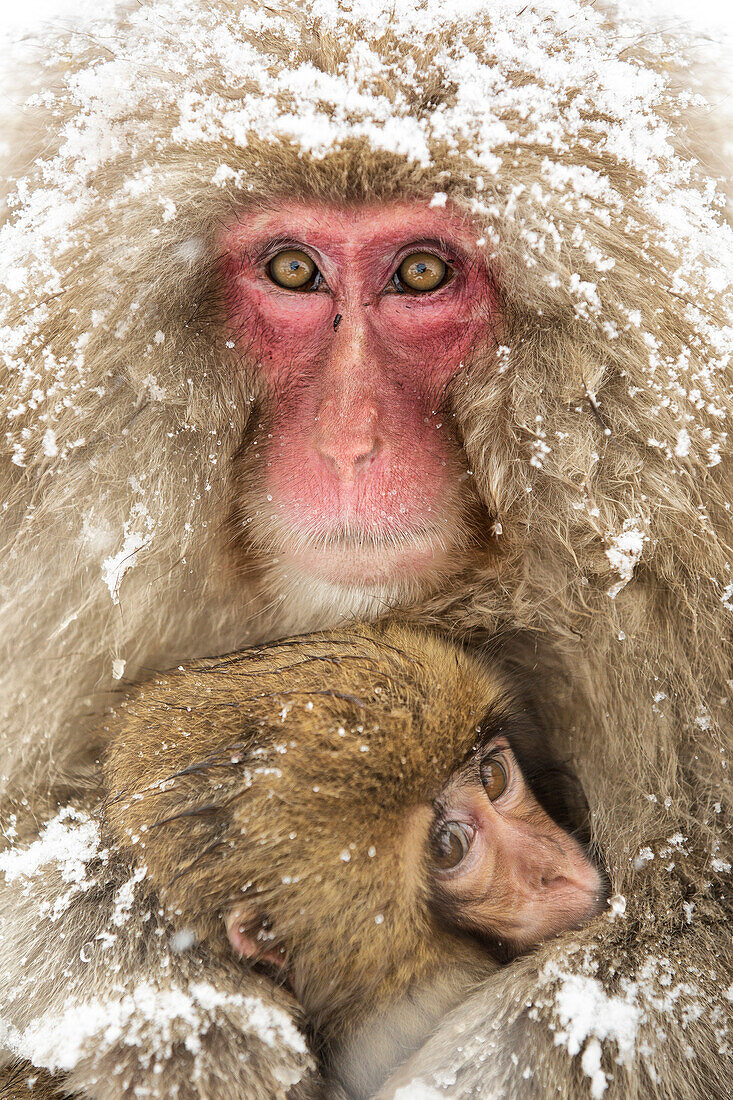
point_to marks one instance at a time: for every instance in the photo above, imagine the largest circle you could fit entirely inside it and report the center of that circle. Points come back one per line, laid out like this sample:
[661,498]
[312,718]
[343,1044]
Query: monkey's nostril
[347,461]
[551,880]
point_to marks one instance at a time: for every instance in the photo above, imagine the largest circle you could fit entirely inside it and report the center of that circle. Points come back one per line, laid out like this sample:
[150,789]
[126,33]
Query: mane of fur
[596,428]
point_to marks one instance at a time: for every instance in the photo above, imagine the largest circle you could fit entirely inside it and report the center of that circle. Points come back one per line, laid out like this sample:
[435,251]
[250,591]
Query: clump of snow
[50,447]
[624,552]
[170,1015]
[682,448]
[183,940]
[591,1063]
[418,1090]
[118,668]
[125,897]
[137,536]
[588,1016]
[115,567]
[617,906]
[589,1019]
[152,387]
[69,841]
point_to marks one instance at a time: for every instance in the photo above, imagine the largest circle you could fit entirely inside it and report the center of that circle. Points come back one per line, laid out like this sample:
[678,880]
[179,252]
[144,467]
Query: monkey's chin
[309,600]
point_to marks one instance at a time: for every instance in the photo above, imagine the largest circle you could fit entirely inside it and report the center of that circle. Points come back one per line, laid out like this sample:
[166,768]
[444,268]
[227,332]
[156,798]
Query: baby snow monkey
[372,811]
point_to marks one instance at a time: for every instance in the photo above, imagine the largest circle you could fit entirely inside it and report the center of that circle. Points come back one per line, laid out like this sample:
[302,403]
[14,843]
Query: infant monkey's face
[499,865]
[482,856]
[360,806]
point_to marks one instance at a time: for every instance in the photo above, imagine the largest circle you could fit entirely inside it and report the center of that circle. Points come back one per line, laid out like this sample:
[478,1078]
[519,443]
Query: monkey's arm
[96,986]
[636,1005]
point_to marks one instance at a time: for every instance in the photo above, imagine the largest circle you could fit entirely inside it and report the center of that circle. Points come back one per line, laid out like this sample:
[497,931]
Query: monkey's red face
[357,321]
[501,866]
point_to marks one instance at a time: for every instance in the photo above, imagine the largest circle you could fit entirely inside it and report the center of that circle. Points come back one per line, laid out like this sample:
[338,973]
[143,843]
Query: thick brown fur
[576,439]
[23,1082]
[305,772]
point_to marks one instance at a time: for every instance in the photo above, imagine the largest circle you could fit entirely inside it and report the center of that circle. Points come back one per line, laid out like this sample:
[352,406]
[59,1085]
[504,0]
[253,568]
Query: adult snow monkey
[324,308]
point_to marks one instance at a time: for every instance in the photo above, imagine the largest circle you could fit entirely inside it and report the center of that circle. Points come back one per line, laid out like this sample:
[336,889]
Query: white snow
[138,534]
[588,1016]
[617,906]
[125,897]
[158,1017]
[624,551]
[418,1090]
[645,855]
[50,447]
[69,840]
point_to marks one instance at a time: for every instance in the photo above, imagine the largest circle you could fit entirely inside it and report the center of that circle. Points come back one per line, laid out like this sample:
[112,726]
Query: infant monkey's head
[360,808]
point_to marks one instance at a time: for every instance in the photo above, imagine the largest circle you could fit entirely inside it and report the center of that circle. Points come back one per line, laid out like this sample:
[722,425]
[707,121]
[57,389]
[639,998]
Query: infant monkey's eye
[450,843]
[494,776]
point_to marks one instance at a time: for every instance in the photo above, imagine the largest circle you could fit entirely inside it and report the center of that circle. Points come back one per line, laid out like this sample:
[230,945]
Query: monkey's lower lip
[369,560]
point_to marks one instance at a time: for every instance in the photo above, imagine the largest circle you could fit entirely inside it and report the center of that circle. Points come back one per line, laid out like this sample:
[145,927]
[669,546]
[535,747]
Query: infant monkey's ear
[250,934]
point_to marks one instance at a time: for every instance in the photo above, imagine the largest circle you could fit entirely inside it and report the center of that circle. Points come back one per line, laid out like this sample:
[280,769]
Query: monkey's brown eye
[293,270]
[420,272]
[494,777]
[450,844]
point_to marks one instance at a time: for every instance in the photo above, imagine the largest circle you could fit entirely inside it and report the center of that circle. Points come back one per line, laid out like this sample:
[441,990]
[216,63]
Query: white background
[22,16]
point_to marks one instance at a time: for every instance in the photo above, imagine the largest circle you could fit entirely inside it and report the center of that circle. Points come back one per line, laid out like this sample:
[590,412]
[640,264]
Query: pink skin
[523,879]
[249,939]
[359,452]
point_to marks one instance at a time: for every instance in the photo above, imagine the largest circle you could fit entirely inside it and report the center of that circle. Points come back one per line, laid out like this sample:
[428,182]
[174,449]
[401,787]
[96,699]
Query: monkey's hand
[97,987]
[635,1005]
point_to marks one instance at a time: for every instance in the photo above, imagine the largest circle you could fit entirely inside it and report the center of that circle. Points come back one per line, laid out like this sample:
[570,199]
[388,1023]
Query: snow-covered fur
[597,435]
[132,1004]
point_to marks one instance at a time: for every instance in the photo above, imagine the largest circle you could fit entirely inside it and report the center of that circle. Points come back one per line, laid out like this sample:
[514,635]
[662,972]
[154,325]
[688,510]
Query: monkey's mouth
[354,556]
[367,559]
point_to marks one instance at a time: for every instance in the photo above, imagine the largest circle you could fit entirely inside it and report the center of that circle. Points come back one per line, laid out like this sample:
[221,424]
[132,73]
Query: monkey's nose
[347,439]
